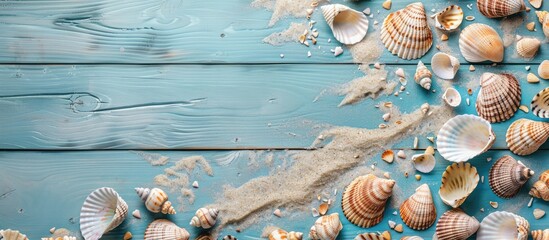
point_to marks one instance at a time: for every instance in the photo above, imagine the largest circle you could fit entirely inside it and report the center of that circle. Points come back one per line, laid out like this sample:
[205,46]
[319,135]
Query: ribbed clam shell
[364,199]
[543,68]
[499,97]
[156,200]
[444,65]
[424,163]
[374,236]
[102,211]
[162,229]
[540,234]
[9,234]
[452,97]
[528,47]
[423,76]
[525,136]
[458,182]
[540,104]
[540,189]
[456,225]
[464,137]
[278,234]
[502,226]
[406,33]
[507,176]
[348,26]
[479,42]
[326,227]
[418,211]
[500,8]
[204,217]
[450,18]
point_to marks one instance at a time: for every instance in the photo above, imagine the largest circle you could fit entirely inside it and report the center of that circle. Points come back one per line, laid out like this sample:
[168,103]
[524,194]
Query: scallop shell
[424,163]
[543,68]
[450,18]
[423,76]
[499,97]
[503,226]
[156,200]
[507,176]
[348,26]
[528,47]
[456,225]
[364,199]
[406,32]
[500,8]
[525,136]
[162,229]
[9,234]
[540,104]
[464,137]
[444,66]
[102,211]
[374,236]
[540,234]
[452,97]
[540,189]
[326,227]
[479,42]
[204,218]
[458,182]
[418,211]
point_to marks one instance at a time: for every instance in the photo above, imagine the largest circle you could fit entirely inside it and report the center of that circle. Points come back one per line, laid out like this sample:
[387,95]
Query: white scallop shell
[163,229]
[103,210]
[458,182]
[348,26]
[424,163]
[9,234]
[500,8]
[326,227]
[479,42]
[204,218]
[526,136]
[423,76]
[450,18]
[444,66]
[502,226]
[452,97]
[464,137]
[528,47]
[540,104]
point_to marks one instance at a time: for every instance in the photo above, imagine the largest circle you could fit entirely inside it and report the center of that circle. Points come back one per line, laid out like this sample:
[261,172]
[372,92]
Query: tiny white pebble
[392,224]
[467,101]
[488,159]
[335,191]
[136,214]
[395,213]
[366,11]
[482,209]
[195,184]
[52,230]
[281,55]
[309,54]
[433,10]
[470,6]
[531,201]
[482,179]
[376,22]
[315,212]
[527,68]
[277,213]
[329,40]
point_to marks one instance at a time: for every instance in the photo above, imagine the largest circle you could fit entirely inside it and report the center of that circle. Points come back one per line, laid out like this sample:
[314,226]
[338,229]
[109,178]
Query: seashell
[204,237]
[295,235]
[540,104]
[278,234]
[452,97]
[500,8]
[418,211]
[540,234]
[536,3]
[502,226]
[450,18]
[348,26]
[528,47]
[386,235]
[464,137]
[60,238]
[229,237]
[102,211]
[444,66]
[156,200]
[479,42]
[458,182]
[543,18]
[540,189]
[163,229]
[406,33]
[499,97]
[456,225]
[423,76]
[507,176]
[525,136]
[326,227]
[425,108]
[9,234]
[411,238]
[543,69]
[424,163]
[363,201]
[204,218]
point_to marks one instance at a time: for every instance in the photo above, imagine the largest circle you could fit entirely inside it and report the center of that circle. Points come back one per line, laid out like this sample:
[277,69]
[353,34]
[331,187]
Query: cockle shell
[458,182]
[502,226]
[464,137]
[9,234]
[456,225]
[479,42]
[526,136]
[499,97]
[423,76]
[364,199]
[326,227]
[418,211]
[500,8]
[374,236]
[507,176]
[348,26]
[543,68]
[406,32]
[540,189]
[540,104]
[204,218]
[528,47]
[162,229]
[444,66]
[156,200]
[450,18]
[102,211]
[452,97]
[540,234]
[424,163]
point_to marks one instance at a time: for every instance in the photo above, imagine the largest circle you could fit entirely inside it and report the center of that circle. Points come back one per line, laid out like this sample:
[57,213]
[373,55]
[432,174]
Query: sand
[509,27]
[284,8]
[368,50]
[154,159]
[370,86]
[291,34]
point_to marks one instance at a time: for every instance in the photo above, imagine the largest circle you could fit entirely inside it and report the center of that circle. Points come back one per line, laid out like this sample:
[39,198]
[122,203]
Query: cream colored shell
[102,211]
[540,234]
[452,97]
[456,225]
[163,229]
[348,26]
[445,66]
[507,176]
[528,47]
[526,136]
[543,69]
[418,211]
[503,226]
[204,218]
[479,42]
[499,97]
[458,182]
[464,137]
[156,200]
[326,227]
[450,18]
[540,189]
[9,234]
[500,8]
[423,76]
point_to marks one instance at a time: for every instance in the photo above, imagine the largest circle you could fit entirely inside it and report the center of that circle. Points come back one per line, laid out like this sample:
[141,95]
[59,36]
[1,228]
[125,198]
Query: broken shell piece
[458,182]
[418,211]
[338,51]
[444,66]
[156,200]
[326,227]
[532,78]
[388,156]
[499,97]
[401,154]
[538,213]
[425,108]
[540,189]
[128,236]
[400,72]
[323,208]
[507,176]
[503,226]
[494,204]
[526,136]
[540,234]
[398,228]
[424,163]
[464,137]
[480,42]
[102,211]
[9,234]
[387,4]
[536,3]
[136,214]
[500,8]
[531,26]
[456,225]
[165,229]
[452,97]
[423,76]
[204,218]
[543,69]
[450,18]
[443,37]
[528,47]
[348,26]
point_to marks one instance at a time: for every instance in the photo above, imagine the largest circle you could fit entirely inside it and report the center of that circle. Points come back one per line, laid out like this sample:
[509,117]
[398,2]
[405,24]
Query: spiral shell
[348,26]
[450,18]
[507,176]
[479,42]
[204,218]
[452,97]
[445,66]
[102,211]
[528,47]
[540,104]
[526,136]
[156,200]
[464,137]
[540,189]
[326,227]
[502,226]
[418,211]
[423,76]
[500,8]
[9,234]
[499,97]
[458,182]
[540,234]
[162,229]
[281,234]
[386,235]
[364,199]
[456,225]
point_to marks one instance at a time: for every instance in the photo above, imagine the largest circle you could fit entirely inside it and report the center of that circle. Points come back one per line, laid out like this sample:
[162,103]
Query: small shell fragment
[532,78]
[338,51]
[136,214]
[392,224]
[472,68]
[399,228]
[387,4]
[323,208]
[195,184]
[443,37]
[128,236]
[388,156]
[470,18]
[277,213]
[531,26]
[400,72]
[524,108]
[494,204]
[538,213]
[401,154]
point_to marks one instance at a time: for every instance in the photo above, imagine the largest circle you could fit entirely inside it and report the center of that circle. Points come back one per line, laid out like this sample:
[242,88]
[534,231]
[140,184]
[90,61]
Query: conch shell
[500,8]
[204,218]
[456,225]
[503,226]
[418,211]
[164,229]
[507,176]
[540,104]
[541,187]
[348,26]
[9,234]
[156,200]
[499,97]
[326,227]
[479,42]
[450,18]
[423,76]
[540,234]
[526,136]
[458,182]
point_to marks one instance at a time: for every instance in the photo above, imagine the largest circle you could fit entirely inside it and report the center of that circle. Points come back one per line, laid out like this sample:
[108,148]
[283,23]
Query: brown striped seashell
[479,42]
[204,218]
[423,76]
[499,97]
[450,18]
[364,200]
[281,234]
[456,225]
[526,136]
[458,182]
[540,234]
[507,176]
[540,104]
[348,26]
[528,47]
[9,234]
[418,211]
[406,33]
[540,189]
[386,235]
[326,227]
[162,229]
[295,235]
[500,8]
[156,200]
[503,226]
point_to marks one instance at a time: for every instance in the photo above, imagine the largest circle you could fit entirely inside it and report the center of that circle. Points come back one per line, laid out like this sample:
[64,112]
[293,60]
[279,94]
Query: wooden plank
[175,31]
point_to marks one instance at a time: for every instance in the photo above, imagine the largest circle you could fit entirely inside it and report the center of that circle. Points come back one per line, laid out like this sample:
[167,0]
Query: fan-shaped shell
[528,47]
[507,176]
[499,97]
[418,211]
[102,211]
[9,234]
[500,8]
[540,234]
[452,97]
[444,65]
[479,42]
[204,218]
[162,229]
[458,182]
[406,32]
[348,26]
[423,76]
[450,18]
[326,227]
[456,225]
[156,200]
[464,137]
[364,199]
[540,104]
[525,136]
[374,236]
[502,226]
[540,189]
[424,163]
